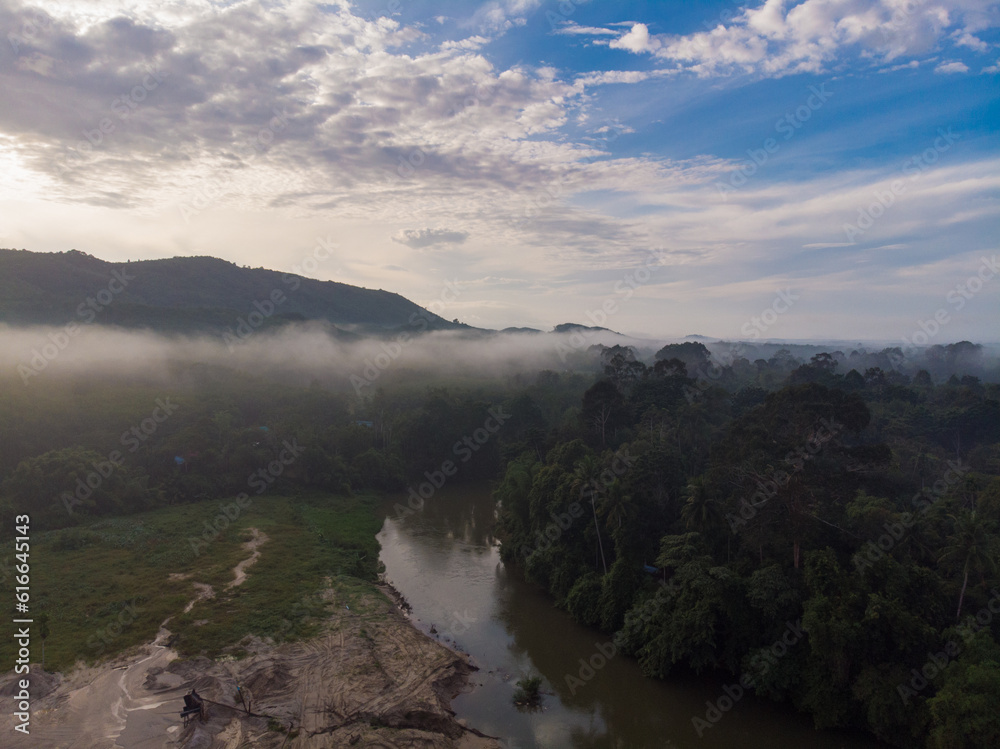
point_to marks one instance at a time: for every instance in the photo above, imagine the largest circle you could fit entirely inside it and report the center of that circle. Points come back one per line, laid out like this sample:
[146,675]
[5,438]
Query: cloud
[417,238]
[617,128]
[952,67]
[637,40]
[294,105]
[499,16]
[381,133]
[995,68]
[777,39]
[605,77]
[965,39]
[571,28]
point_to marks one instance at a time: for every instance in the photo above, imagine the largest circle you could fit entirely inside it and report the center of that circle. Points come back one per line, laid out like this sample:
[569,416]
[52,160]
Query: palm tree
[585,476]
[701,511]
[968,548]
[618,509]
[617,506]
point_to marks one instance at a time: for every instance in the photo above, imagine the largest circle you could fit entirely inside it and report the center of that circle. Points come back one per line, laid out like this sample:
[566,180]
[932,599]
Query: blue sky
[534,155]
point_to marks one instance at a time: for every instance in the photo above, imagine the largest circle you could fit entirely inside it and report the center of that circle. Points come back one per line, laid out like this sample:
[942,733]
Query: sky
[791,170]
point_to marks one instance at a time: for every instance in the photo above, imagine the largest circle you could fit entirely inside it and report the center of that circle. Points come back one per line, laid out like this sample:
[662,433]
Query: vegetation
[171,295]
[701,512]
[700,518]
[109,585]
[528,692]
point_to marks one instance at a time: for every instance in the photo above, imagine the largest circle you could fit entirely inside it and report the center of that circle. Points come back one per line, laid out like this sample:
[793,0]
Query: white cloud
[418,238]
[965,39]
[995,68]
[911,65]
[499,16]
[952,67]
[621,76]
[636,40]
[389,146]
[573,29]
[777,39]
[618,128]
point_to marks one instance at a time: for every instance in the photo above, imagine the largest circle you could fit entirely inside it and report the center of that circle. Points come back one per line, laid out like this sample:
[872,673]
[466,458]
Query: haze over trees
[692,500]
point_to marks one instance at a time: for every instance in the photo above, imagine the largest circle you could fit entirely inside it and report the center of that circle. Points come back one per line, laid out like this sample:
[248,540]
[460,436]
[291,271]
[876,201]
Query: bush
[528,692]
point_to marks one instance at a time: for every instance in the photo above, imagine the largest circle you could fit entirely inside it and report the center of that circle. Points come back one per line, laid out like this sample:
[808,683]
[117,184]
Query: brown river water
[445,561]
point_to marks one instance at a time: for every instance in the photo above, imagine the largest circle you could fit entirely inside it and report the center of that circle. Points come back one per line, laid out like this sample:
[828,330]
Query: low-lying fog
[302,354]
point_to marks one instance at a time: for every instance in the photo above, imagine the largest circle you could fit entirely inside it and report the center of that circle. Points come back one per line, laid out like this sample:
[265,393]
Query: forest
[695,508]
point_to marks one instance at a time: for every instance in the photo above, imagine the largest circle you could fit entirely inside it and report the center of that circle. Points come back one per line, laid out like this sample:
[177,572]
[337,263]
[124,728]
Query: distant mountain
[572,327]
[192,294]
[528,331]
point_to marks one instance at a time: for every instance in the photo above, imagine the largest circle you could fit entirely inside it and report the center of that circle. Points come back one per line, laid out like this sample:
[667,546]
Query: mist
[304,354]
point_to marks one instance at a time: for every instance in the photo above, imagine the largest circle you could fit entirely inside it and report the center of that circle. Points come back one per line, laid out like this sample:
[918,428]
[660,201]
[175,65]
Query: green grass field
[109,585]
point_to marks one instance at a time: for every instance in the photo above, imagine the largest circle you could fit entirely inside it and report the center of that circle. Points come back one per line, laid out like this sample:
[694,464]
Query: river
[445,561]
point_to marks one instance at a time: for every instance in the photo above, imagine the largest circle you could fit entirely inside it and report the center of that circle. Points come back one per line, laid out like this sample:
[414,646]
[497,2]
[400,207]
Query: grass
[528,692]
[108,586]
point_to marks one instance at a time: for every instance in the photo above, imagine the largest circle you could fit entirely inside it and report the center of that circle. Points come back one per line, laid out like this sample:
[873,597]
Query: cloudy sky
[687,166]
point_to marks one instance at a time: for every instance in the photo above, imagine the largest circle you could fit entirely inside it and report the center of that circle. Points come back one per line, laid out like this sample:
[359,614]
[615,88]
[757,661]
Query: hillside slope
[187,294]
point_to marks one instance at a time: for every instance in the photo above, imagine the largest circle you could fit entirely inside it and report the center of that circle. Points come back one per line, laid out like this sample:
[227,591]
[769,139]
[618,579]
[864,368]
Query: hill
[191,294]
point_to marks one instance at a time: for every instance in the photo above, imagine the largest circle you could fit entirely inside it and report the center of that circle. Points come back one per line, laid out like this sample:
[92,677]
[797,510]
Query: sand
[369,680]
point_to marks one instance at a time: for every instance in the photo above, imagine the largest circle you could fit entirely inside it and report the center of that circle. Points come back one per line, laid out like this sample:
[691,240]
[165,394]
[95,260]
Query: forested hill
[187,294]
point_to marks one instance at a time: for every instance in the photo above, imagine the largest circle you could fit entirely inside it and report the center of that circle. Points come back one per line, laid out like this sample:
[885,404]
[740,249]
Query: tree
[584,479]
[964,711]
[603,408]
[968,548]
[701,512]
[694,355]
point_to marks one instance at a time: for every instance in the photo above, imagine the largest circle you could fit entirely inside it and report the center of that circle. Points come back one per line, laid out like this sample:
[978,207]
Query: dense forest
[700,511]
[697,508]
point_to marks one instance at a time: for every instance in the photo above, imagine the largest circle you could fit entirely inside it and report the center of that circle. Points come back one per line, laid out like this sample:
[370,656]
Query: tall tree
[585,476]
[968,548]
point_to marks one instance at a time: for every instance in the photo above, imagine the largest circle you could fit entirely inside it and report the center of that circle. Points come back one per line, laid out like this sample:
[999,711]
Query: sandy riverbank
[370,679]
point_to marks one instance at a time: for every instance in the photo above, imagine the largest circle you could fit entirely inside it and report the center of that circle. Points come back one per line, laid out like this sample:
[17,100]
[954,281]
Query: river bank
[445,561]
[369,678]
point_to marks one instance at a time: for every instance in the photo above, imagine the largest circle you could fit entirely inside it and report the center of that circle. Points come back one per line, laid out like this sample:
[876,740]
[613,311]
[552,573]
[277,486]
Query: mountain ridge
[191,294]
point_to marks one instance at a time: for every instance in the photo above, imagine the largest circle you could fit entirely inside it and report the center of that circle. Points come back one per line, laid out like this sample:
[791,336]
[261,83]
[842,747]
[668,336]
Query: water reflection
[444,559]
